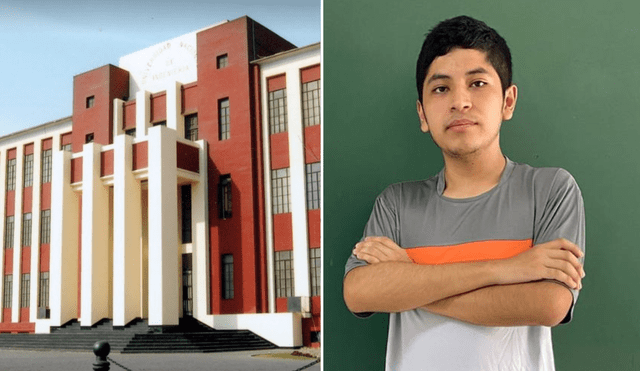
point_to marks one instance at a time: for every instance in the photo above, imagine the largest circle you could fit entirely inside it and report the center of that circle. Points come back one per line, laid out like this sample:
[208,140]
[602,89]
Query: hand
[380,249]
[556,260]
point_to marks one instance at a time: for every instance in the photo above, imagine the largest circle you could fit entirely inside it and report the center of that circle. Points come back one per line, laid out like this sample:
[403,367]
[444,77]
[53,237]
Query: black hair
[466,33]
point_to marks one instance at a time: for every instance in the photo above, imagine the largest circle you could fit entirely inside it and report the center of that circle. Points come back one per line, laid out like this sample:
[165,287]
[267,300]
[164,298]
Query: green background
[577,67]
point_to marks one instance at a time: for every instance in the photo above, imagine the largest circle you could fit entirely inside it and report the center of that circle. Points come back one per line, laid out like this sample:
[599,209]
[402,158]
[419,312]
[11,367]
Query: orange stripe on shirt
[467,252]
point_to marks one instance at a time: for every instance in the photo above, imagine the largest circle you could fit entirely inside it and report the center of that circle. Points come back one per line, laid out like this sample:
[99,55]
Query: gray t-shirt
[529,206]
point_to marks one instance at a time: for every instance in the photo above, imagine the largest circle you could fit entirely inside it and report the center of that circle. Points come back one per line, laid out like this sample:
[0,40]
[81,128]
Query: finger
[560,276]
[565,267]
[371,259]
[570,246]
[373,248]
[568,256]
[386,241]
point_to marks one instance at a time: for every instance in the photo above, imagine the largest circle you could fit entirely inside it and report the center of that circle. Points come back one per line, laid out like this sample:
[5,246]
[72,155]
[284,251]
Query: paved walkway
[25,360]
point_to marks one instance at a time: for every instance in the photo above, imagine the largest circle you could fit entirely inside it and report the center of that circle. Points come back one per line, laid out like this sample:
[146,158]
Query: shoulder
[399,193]
[545,177]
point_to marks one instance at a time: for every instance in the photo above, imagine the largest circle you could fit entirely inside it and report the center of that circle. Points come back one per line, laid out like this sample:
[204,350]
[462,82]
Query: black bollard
[101,349]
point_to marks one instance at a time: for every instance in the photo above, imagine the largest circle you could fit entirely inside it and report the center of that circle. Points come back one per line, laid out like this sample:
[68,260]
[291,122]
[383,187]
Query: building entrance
[187,285]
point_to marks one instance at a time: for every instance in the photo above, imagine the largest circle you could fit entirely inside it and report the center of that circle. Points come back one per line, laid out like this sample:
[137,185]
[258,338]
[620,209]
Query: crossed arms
[520,291]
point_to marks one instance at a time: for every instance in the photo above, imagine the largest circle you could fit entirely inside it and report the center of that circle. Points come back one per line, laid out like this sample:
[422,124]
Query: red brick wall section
[279,148]
[159,107]
[190,97]
[65,139]
[76,170]
[106,163]
[44,257]
[282,232]
[27,199]
[25,259]
[45,196]
[8,260]
[310,74]
[188,157]
[47,144]
[313,219]
[140,155]
[276,83]
[28,149]
[10,203]
[312,148]
[129,119]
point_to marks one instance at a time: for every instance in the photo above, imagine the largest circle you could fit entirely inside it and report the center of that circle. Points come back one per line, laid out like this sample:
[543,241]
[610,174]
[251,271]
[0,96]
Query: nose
[460,100]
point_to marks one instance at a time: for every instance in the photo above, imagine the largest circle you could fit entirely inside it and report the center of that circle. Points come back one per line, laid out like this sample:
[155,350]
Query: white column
[143,113]
[127,229]
[268,209]
[175,120]
[17,237]
[300,237]
[3,216]
[164,247]
[118,117]
[200,220]
[95,239]
[63,276]
[35,231]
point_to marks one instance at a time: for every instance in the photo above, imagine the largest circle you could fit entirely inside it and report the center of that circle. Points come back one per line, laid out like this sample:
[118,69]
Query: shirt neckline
[508,169]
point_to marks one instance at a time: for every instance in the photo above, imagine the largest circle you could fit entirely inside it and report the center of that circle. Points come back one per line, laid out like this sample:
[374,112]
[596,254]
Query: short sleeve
[382,222]
[562,217]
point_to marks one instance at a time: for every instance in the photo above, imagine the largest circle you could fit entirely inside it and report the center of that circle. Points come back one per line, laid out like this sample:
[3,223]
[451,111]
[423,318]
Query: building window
[313,185]
[191,127]
[185,192]
[278,111]
[26,229]
[25,290]
[314,271]
[11,174]
[46,166]
[224,196]
[45,226]
[43,299]
[8,291]
[66,147]
[280,191]
[131,132]
[222,61]
[284,274]
[311,103]
[90,101]
[88,138]
[187,284]
[227,276]
[223,119]
[28,170]
[8,233]
[160,123]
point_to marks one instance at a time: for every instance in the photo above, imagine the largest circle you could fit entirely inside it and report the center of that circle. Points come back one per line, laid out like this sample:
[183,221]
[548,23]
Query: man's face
[462,103]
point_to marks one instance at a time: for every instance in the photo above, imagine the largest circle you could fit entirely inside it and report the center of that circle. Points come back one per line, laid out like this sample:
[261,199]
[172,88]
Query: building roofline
[286,53]
[36,128]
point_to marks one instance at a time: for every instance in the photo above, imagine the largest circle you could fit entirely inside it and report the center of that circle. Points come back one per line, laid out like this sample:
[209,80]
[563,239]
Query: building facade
[185,183]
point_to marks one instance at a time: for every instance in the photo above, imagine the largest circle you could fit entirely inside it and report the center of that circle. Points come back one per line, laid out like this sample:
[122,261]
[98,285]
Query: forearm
[542,303]
[398,286]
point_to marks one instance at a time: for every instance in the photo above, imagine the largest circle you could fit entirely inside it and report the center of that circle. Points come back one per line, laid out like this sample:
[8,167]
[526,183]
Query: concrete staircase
[189,336]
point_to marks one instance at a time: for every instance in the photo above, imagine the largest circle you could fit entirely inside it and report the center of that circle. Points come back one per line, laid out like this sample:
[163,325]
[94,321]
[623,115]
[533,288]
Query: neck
[472,175]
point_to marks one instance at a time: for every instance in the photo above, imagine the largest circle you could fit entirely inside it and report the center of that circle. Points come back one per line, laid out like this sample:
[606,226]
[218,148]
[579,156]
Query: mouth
[459,125]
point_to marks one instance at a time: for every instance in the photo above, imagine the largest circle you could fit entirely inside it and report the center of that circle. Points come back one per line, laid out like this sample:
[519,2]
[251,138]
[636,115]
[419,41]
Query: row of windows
[45,229]
[284,273]
[281,188]
[45,175]
[25,290]
[310,107]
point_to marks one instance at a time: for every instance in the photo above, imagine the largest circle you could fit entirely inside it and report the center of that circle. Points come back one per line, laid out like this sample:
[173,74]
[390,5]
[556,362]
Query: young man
[476,264]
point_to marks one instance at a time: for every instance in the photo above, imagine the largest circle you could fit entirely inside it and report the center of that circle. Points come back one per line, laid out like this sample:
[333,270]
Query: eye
[478,84]
[439,89]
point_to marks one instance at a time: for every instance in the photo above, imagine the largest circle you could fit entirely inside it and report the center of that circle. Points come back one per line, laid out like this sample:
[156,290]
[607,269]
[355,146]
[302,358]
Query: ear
[510,98]
[423,119]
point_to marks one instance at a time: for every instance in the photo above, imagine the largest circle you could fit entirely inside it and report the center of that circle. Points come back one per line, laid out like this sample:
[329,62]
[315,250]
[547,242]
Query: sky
[44,44]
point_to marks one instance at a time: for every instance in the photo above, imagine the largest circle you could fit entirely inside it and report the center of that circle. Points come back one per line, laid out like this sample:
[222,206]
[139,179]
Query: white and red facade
[141,216]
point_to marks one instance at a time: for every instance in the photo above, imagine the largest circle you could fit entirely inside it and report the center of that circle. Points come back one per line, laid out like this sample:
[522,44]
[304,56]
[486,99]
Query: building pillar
[143,113]
[164,247]
[201,249]
[63,276]
[3,216]
[302,286]
[35,231]
[127,230]
[118,118]
[95,239]
[17,237]
[175,120]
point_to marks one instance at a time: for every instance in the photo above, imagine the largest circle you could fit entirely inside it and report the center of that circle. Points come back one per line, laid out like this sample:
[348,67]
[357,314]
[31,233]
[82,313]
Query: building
[185,183]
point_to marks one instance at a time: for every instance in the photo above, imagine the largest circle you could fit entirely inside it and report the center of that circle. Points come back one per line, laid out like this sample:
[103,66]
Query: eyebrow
[438,76]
